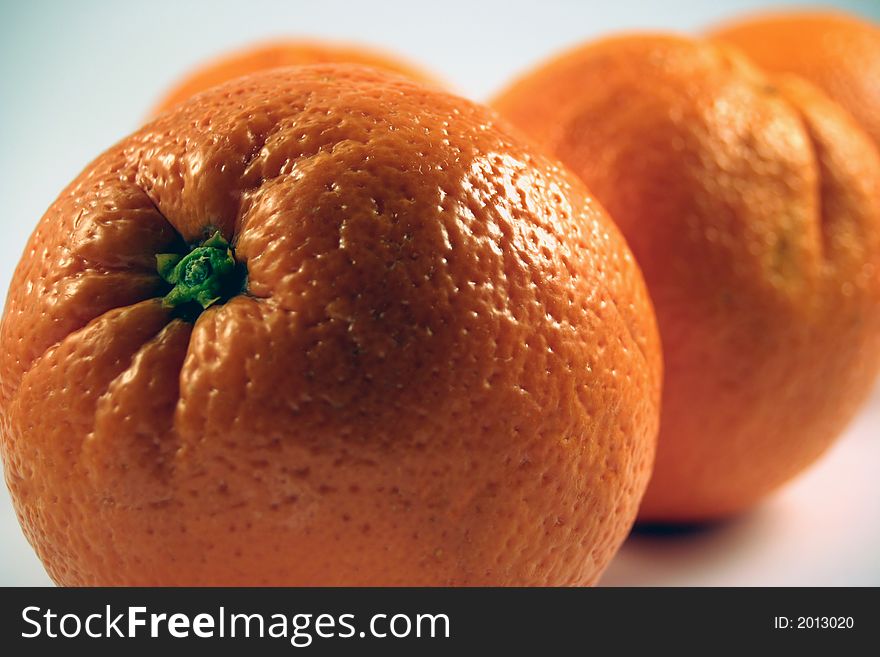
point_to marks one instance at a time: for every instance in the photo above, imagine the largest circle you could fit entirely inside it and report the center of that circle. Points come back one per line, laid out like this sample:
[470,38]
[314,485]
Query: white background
[76,77]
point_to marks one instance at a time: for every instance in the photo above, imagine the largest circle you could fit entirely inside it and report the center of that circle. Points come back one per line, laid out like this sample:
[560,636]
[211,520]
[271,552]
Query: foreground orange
[264,56]
[837,52]
[405,349]
[752,205]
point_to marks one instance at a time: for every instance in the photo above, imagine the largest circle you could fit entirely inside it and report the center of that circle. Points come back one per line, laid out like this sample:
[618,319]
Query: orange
[402,347]
[276,54]
[752,204]
[837,52]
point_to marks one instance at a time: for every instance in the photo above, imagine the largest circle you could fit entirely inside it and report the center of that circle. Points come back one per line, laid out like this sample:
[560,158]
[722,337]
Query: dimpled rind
[445,369]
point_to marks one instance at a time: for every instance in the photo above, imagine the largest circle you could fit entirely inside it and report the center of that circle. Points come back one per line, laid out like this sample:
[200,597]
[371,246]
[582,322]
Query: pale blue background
[78,76]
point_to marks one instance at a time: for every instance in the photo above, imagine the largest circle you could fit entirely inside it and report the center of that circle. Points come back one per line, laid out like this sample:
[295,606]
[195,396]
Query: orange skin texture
[837,52]
[445,369]
[277,54]
[752,205]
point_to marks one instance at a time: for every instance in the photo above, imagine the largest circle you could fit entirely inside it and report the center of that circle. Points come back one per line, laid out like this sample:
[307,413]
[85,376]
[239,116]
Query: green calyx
[201,276]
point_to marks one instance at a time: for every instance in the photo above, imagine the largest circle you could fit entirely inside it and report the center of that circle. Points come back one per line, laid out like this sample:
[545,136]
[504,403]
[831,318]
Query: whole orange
[837,52]
[384,342]
[276,54]
[752,204]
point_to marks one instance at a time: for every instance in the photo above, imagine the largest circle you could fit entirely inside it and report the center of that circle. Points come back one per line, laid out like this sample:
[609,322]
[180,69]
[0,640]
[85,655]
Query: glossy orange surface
[444,369]
[752,204]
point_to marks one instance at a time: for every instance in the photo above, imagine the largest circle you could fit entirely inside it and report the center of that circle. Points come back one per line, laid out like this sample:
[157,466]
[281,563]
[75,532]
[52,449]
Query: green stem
[200,276]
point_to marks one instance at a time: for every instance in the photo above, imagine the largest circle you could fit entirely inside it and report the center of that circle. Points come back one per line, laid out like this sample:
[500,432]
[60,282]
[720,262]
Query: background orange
[839,53]
[752,203]
[290,52]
